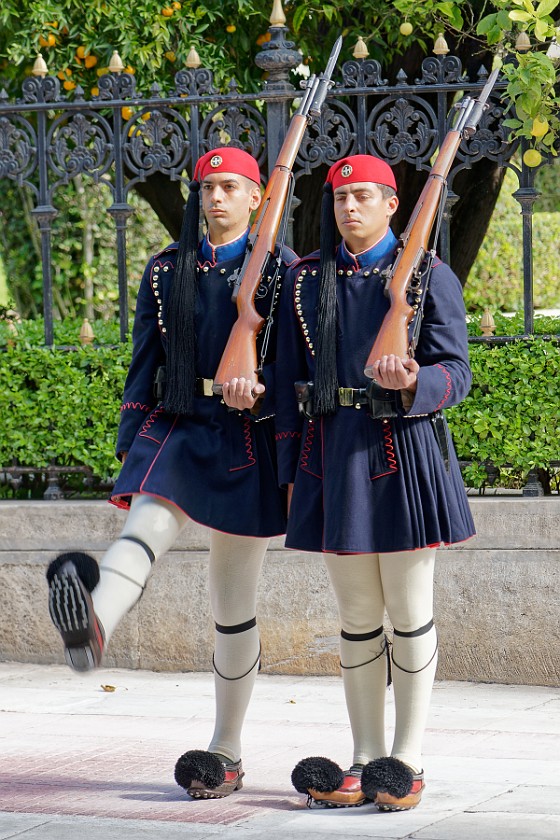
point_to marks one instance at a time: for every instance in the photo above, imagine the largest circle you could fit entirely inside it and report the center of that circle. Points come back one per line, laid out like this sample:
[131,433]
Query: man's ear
[255,198]
[392,204]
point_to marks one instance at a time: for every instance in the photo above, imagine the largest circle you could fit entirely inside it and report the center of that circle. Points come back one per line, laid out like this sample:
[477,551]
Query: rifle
[393,333]
[240,355]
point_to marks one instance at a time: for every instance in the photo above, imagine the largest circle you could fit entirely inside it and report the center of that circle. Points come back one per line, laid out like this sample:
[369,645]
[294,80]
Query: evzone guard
[187,455]
[372,473]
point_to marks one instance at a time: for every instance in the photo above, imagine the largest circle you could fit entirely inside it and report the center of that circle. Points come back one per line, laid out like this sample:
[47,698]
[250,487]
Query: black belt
[381,403]
[203,387]
[352,397]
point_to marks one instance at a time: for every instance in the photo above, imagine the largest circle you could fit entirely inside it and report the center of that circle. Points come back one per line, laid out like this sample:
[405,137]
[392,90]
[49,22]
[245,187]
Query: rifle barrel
[325,79]
[480,105]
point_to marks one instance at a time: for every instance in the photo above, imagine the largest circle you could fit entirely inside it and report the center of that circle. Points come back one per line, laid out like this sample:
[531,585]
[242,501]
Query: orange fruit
[49,41]
[405,28]
[68,85]
[146,116]
[170,56]
[532,157]
[129,69]
[81,52]
[126,112]
[231,28]
[176,6]
[540,127]
[167,11]
[95,91]
[90,61]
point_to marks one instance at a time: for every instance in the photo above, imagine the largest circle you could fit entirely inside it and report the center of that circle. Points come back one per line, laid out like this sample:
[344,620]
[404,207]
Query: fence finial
[277,18]
[193,61]
[116,65]
[360,50]
[523,42]
[487,323]
[40,67]
[440,46]
[86,332]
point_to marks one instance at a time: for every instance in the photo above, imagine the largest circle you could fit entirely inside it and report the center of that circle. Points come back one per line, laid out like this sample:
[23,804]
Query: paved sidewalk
[82,762]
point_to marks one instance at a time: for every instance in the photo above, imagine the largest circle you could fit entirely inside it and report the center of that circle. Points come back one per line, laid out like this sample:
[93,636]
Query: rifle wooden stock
[240,355]
[392,337]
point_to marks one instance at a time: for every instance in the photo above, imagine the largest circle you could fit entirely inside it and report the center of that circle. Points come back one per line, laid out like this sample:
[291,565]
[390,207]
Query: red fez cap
[359,168]
[227,159]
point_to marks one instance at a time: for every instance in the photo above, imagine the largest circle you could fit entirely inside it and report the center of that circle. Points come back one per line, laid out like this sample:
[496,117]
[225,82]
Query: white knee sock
[357,586]
[236,665]
[408,587]
[364,675]
[125,567]
[235,566]
[413,691]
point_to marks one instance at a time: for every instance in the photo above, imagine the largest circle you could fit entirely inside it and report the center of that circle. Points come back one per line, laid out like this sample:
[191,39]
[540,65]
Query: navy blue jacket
[218,465]
[361,484]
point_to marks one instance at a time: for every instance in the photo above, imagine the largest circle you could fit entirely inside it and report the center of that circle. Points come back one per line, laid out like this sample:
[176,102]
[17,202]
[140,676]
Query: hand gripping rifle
[240,355]
[406,270]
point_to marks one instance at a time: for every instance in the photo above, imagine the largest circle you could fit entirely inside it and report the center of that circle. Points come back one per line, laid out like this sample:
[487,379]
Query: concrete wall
[497,602]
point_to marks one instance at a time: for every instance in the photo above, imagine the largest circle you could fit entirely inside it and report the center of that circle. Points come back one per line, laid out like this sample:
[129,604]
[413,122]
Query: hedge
[62,406]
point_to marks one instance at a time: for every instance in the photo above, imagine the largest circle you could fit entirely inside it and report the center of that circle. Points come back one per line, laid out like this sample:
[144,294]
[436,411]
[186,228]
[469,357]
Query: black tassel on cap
[326,377]
[181,353]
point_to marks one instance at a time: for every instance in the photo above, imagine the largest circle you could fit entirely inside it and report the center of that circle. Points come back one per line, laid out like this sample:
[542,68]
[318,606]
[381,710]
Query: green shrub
[62,407]
[510,416]
[496,277]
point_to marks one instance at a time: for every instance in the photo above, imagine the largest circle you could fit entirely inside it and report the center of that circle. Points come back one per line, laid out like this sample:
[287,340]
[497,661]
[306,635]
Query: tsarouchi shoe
[392,784]
[326,784]
[206,776]
[71,578]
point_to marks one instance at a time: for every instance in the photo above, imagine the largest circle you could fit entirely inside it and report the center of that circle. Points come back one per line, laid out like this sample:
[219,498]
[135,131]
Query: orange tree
[153,38]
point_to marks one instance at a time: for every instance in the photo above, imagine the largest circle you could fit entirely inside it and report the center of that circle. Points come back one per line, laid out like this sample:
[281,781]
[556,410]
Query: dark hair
[386,191]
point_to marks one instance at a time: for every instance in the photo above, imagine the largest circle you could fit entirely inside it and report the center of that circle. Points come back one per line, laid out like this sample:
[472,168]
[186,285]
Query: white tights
[366,585]
[234,568]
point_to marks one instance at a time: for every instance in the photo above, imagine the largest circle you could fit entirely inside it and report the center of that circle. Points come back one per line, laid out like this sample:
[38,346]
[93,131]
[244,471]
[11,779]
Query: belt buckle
[207,388]
[346,396]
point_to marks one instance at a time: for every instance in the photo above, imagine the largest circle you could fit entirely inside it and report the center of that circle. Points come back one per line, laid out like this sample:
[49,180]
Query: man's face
[362,214]
[227,203]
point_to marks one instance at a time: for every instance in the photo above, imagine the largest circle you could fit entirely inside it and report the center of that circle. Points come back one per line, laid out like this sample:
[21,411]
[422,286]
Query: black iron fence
[47,138]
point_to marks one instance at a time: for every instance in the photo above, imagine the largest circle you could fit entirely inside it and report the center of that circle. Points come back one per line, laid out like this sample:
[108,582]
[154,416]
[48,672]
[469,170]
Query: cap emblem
[346,171]
[216,161]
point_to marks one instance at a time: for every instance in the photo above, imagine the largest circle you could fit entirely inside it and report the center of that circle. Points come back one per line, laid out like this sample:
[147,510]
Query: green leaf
[299,17]
[486,24]
[545,7]
[524,17]
[541,30]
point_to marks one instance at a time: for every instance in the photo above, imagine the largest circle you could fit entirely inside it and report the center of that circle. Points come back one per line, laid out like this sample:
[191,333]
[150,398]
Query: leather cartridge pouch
[304,396]
[382,402]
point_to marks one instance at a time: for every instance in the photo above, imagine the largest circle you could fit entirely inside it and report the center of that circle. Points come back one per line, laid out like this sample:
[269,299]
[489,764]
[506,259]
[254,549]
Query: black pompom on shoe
[318,773]
[327,785]
[71,578]
[86,568]
[392,784]
[205,776]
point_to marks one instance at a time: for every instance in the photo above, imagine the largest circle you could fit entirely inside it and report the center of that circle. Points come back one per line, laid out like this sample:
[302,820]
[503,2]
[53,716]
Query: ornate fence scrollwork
[47,138]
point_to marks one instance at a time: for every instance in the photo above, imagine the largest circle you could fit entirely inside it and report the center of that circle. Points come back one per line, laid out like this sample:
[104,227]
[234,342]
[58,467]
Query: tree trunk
[166,199]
